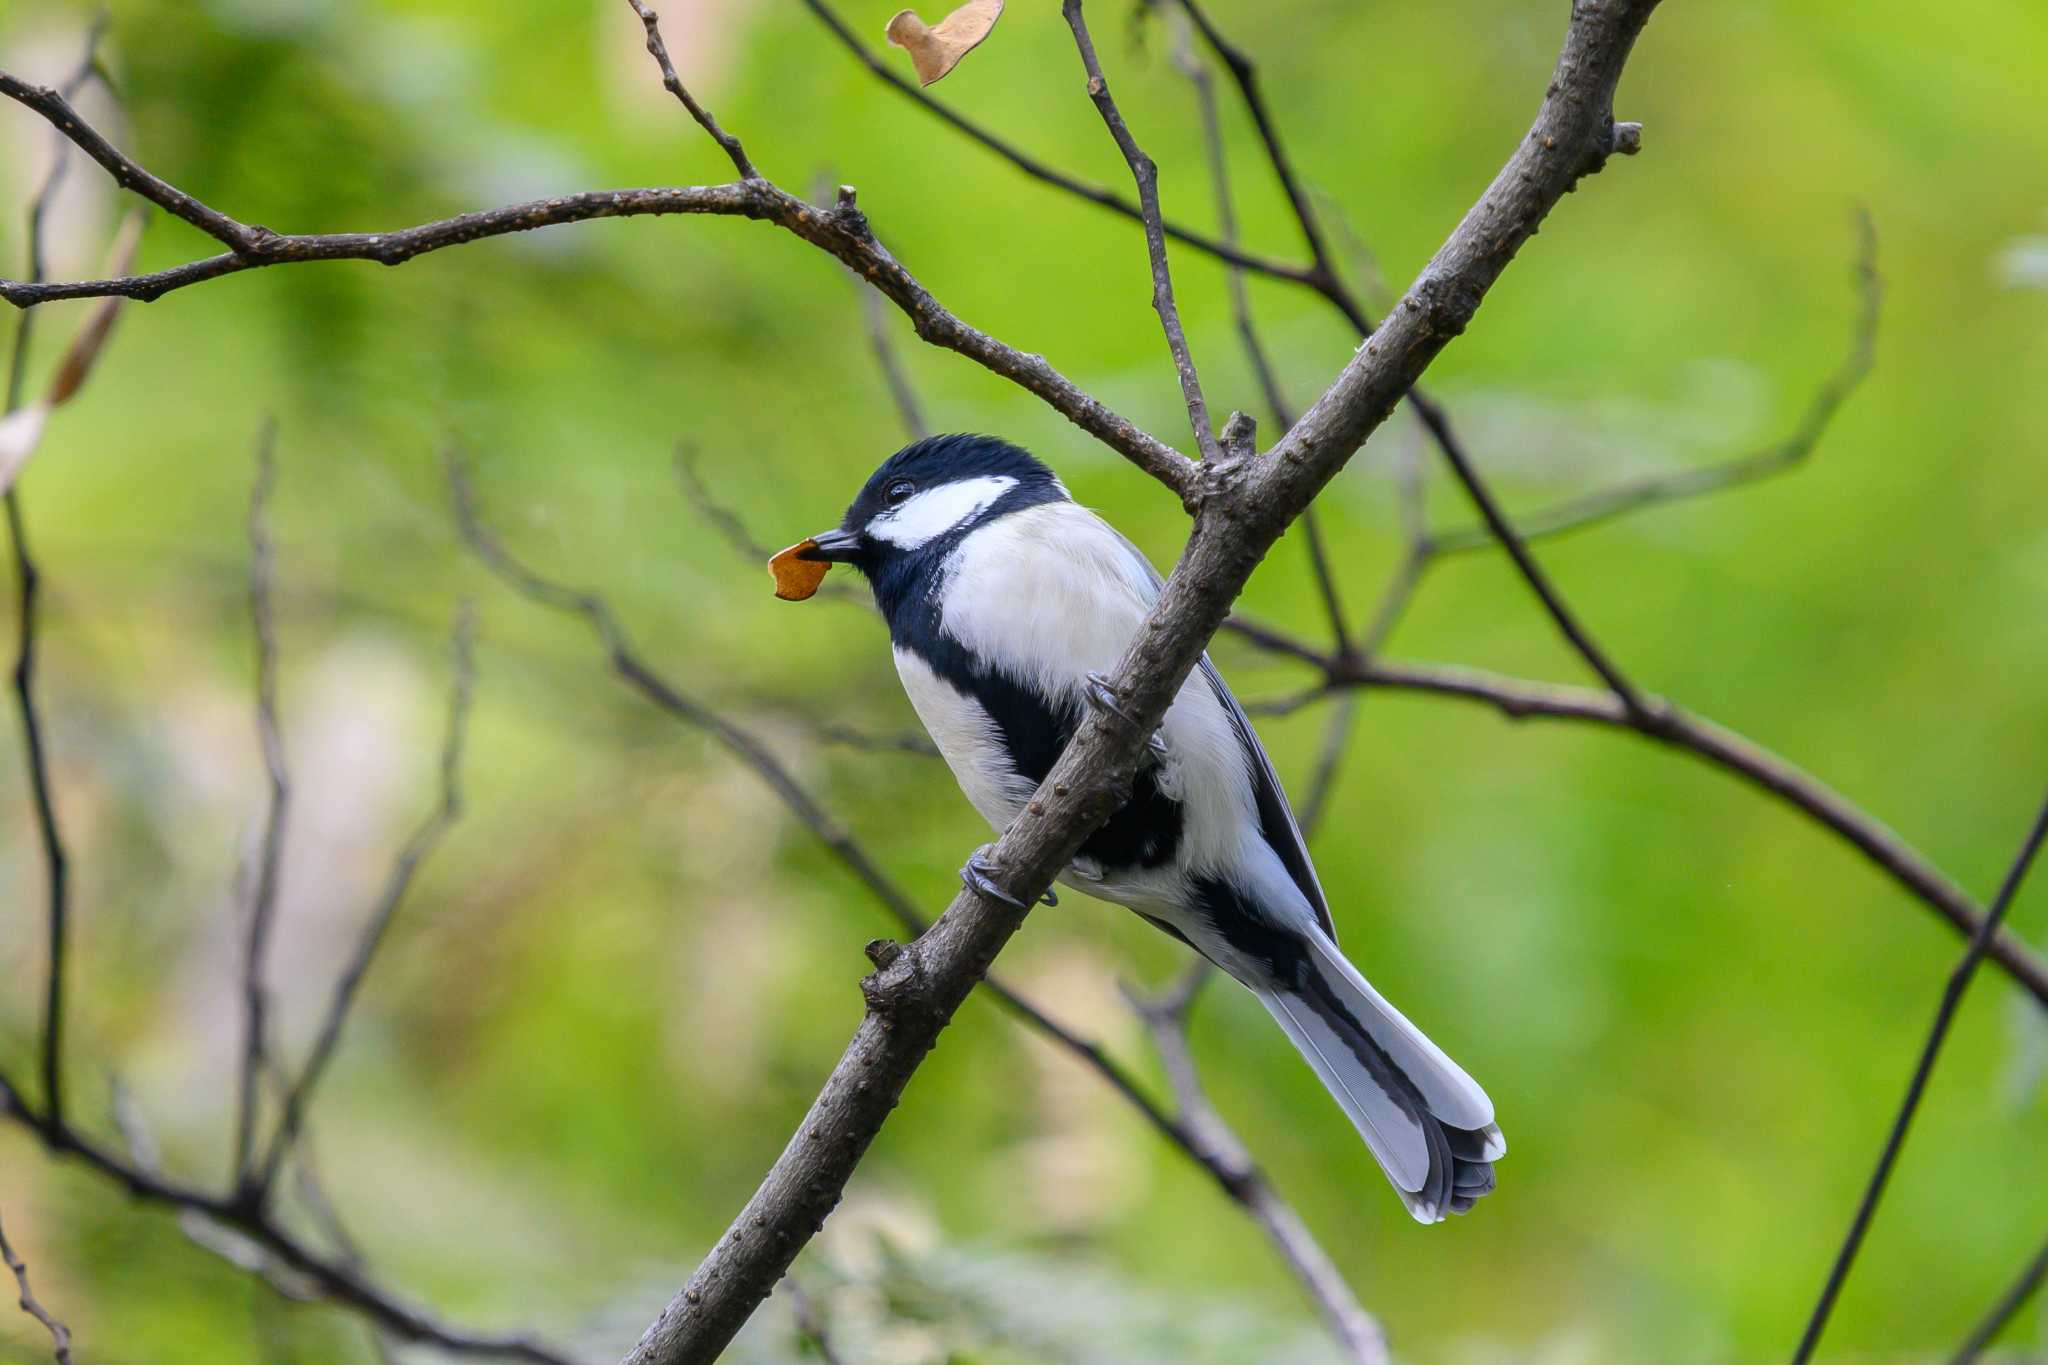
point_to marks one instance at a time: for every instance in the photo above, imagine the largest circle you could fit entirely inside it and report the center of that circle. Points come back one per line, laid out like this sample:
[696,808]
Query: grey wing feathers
[1276,817]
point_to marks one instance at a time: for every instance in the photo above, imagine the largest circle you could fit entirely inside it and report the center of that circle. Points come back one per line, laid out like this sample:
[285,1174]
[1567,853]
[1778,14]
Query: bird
[1007,602]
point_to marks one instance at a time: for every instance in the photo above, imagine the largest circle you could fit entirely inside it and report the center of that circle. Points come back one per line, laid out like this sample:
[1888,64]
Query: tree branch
[1930,1052]
[673,83]
[1241,311]
[28,605]
[270,857]
[417,849]
[60,1335]
[842,231]
[1669,724]
[1039,170]
[1166,1018]
[2008,1305]
[1603,505]
[1146,174]
[334,1279]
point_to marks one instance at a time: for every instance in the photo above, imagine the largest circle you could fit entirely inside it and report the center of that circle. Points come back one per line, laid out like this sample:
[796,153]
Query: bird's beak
[799,569]
[832,547]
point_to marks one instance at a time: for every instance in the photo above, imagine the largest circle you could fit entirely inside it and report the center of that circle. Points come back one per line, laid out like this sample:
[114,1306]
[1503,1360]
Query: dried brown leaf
[76,366]
[22,431]
[797,575]
[936,49]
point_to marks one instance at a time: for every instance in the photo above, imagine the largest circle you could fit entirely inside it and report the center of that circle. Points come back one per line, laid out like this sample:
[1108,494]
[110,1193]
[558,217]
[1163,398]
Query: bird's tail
[1428,1124]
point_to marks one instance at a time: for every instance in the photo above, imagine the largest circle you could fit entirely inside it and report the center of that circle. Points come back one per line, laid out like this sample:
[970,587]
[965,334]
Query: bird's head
[918,506]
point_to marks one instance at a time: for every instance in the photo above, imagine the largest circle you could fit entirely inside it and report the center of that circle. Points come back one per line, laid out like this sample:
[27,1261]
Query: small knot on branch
[1626,139]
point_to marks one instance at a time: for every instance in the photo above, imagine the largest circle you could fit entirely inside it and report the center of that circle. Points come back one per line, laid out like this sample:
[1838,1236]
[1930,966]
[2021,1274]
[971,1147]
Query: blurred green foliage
[616,988]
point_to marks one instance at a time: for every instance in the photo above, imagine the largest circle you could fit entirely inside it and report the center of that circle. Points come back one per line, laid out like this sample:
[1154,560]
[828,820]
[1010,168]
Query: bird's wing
[1276,817]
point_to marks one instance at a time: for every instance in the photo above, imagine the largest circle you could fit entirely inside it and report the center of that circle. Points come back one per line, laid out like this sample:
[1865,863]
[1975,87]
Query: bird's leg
[1102,696]
[978,874]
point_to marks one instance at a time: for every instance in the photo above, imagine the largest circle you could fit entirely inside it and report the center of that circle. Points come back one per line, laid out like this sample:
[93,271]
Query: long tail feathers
[1427,1123]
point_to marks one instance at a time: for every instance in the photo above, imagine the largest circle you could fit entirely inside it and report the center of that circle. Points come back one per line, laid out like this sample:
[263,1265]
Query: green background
[619,983]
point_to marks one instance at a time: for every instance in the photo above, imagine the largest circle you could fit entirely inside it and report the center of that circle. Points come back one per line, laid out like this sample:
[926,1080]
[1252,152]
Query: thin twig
[60,1335]
[908,410]
[1246,77]
[1039,170]
[1166,1019]
[447,810]
[1603,505]
[28,605]
[1241,310]
[841,230]
[270,856]
[334,1280]
[1676,728]
[1930,1052]
[2008,1306]
[1145,173]
[810,1323]
[673,83]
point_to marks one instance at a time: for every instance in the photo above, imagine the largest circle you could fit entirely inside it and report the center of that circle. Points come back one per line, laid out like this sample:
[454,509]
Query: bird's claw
[1102,696]
[979,875]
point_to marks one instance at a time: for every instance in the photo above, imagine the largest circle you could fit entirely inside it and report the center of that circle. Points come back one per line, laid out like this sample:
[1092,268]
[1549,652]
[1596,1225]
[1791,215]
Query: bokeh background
[617,985]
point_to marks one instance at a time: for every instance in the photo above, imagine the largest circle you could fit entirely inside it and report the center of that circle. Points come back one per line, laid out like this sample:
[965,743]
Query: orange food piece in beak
[797,576]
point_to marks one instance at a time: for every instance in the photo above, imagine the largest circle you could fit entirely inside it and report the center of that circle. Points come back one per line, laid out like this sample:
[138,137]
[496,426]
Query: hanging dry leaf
[797,576]
[22,431]
[937,49]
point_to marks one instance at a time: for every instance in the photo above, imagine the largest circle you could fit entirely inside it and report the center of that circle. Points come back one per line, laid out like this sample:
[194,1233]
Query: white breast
[968,740]
[1048,595]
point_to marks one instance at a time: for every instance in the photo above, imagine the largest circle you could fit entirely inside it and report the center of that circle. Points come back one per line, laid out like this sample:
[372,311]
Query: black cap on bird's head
[922,500]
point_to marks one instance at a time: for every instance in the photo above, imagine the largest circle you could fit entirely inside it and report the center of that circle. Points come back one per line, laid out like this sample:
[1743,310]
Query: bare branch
[2008,1306]
[1668,724]
[1602,505]
[28,603]
[842,231]
[1241,310]
[417,849]
[1246,77]
[334,1279]
[56,109]
[810,1323]
[60,1335]
[1166,1018]
[1039,170]
[1146,173]
[908,409]
[1930,1052]
[270,857]
[673,83]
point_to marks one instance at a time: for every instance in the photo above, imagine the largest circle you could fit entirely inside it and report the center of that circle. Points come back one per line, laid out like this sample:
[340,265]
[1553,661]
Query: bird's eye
[900,491]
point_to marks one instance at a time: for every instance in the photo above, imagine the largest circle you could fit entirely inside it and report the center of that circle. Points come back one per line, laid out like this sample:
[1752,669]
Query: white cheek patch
[936,511]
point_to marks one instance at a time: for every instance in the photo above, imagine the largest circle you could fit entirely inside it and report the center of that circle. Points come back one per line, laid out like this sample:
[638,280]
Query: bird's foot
[978,874]
[1102,696]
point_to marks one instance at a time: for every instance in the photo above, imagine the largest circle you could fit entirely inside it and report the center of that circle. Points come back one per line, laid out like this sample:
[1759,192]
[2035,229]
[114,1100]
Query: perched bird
[1006,602]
